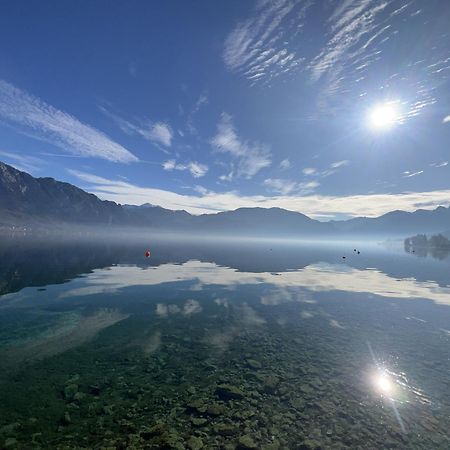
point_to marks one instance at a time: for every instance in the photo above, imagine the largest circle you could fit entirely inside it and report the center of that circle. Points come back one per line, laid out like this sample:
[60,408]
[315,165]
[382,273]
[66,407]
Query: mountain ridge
[26,200]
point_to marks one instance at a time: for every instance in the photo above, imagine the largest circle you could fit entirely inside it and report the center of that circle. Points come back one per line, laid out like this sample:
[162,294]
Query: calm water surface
[267,345]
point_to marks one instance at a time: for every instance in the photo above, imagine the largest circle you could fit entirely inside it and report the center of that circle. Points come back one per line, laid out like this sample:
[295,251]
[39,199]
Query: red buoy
[147,253]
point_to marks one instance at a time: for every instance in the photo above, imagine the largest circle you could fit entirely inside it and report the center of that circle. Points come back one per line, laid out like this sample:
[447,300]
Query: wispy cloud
[160,132]
[281,186]
[408,174]
[249,157]
[441,164]
[258,47]
[309,171]
[196,169]
[338,164]
[285,164]
[156,132]
[201,101]
[358,33]
[199,104]
[34,117]
[285,187]
[350,23]
[330,170]
[370,205]
[308,186]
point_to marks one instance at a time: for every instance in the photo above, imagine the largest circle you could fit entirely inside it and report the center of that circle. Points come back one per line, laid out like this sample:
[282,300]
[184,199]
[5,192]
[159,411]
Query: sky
[333,108]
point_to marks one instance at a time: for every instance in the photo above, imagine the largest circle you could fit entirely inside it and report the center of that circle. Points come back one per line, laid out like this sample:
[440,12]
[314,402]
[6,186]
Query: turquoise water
[271,345]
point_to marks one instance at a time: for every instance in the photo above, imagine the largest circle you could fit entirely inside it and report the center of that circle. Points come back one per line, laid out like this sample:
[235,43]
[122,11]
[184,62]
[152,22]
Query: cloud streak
[332,169]
[285,164]
[370,205]
[32,116]
[409,174]
[156,132]
[196,169]
[257,47]
[441,164]
[248,157]
[359,33]
[285,187]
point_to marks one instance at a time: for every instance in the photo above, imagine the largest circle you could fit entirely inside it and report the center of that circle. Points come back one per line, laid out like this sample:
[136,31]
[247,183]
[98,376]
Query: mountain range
[45,202]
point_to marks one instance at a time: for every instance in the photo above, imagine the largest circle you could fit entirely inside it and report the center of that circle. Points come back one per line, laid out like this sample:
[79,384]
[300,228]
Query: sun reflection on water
[383,383]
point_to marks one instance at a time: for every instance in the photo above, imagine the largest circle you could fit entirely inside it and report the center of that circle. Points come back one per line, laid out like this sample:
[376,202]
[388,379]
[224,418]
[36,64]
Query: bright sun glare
[383,116]
[383,384]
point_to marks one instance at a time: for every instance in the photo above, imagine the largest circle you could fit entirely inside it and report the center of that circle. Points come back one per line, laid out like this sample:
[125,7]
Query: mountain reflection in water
[239,344]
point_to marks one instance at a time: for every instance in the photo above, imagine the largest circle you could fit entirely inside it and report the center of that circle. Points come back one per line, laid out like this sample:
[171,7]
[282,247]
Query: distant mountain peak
[28,200]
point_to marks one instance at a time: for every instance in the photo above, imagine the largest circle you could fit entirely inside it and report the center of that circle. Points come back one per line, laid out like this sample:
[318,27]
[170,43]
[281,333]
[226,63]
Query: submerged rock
[199,421]
[155,430]
[254,364]
[79,396]
[194,443]
[70,390]
[10,442]
[310,444]
[108,410]
[171,440]
[196,405]
[224,429]
[270,383]
[272,446]
[298,404]
[10,429]
[67,419]
[228,391]
[215,409]
[247,442]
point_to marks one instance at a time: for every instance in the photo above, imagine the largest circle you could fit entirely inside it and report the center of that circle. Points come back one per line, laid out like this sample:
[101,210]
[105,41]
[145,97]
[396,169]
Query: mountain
[23,197]
[44,202]
[25,200]
[262,222]
[399,223]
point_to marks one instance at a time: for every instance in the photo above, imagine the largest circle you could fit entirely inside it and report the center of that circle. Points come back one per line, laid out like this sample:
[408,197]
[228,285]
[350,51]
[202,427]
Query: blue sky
[331,108]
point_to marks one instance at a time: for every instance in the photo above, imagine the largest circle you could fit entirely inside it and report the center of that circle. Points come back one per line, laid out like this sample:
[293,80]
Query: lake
[222,345]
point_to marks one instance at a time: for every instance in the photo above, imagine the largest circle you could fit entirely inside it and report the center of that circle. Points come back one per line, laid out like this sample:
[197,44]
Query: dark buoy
[147,253]
[359,252]
[354,249]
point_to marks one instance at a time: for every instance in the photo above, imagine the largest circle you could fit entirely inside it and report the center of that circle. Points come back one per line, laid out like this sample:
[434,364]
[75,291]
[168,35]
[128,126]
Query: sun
[383,116]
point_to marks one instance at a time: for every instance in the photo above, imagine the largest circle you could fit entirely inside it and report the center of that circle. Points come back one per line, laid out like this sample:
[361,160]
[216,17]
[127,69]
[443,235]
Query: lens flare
[383,116]
[383,383]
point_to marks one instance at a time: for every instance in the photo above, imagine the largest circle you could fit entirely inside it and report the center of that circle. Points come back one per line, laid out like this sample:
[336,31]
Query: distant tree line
[437,245]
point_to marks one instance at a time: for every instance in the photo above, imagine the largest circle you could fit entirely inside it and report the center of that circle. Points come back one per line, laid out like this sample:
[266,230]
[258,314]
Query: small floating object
[147,254]
[359,252]
[354,249]
[343,257]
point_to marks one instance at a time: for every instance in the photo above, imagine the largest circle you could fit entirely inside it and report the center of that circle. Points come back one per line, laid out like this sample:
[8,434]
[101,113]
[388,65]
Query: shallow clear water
[223,345]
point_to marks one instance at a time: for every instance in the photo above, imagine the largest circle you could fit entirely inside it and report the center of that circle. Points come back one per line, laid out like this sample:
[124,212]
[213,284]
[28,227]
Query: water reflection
[290,286]
[33,262]
[230,344]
